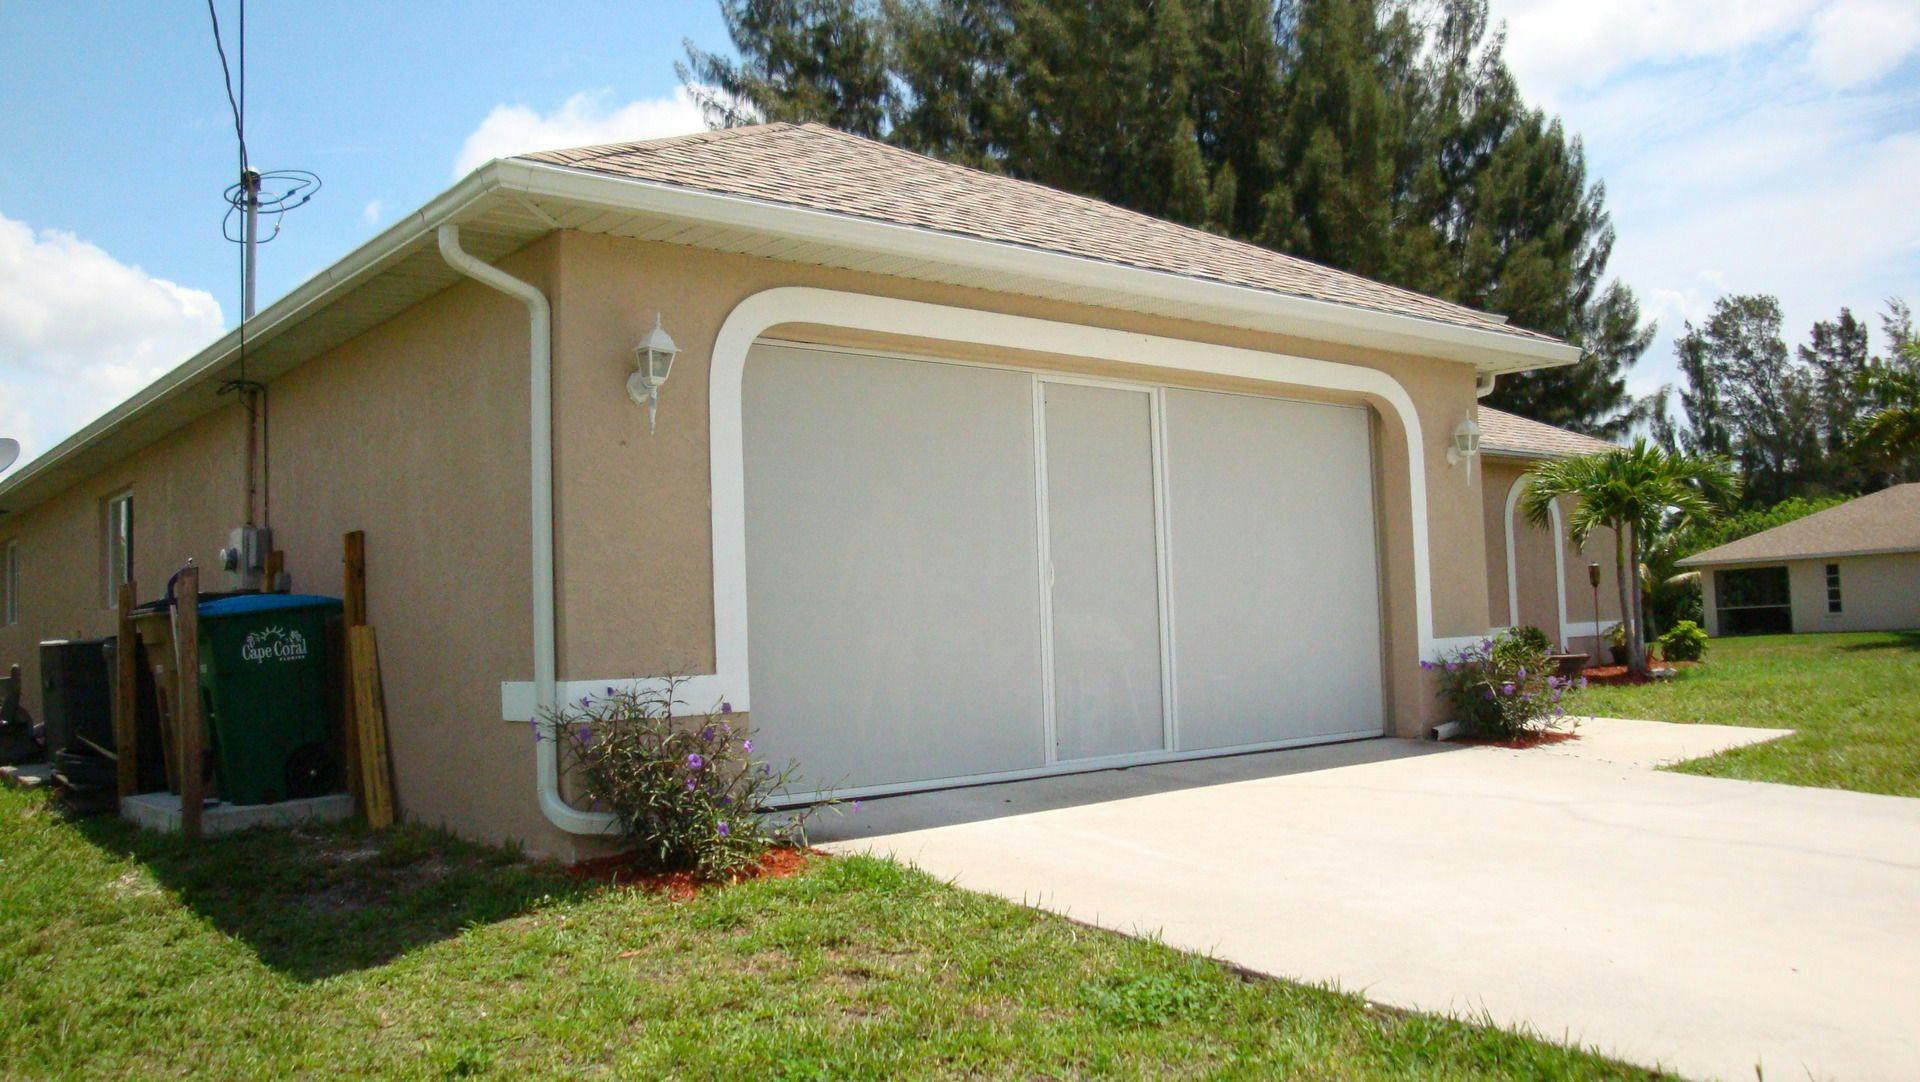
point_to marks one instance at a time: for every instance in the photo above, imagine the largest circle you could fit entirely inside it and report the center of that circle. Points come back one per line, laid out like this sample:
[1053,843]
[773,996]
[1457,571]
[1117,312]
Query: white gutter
[540,403]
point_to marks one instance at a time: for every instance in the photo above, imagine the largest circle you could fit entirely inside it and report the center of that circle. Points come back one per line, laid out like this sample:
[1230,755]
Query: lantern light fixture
[1465,444]
[653,360]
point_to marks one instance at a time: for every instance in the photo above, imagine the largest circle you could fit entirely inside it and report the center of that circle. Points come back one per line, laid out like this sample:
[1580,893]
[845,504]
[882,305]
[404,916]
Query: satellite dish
[9,452]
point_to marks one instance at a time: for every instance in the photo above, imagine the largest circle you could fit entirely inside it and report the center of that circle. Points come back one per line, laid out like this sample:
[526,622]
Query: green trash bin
[264,683]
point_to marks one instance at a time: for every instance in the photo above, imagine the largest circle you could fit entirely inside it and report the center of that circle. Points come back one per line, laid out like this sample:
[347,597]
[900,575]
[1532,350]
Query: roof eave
[1486,350]
[1709,560]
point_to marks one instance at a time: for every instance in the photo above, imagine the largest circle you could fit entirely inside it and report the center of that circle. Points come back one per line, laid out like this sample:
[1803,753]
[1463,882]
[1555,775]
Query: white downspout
[1483,384]
[540,401]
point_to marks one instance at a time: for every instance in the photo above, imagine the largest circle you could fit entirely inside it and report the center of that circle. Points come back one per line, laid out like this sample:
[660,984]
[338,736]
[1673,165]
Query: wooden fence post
[187,712]
[353,614]
[126,678]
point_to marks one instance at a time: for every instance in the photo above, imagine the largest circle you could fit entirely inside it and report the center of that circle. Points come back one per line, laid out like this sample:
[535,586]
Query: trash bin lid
[246,603]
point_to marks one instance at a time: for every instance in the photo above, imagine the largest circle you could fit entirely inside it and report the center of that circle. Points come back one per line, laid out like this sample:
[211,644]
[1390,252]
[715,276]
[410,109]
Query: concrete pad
[161,811]
[1702,924]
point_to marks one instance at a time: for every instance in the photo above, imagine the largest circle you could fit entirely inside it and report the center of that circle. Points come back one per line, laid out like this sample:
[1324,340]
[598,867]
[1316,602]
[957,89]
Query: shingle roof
[1510,434]
[820,168]
[1886,521]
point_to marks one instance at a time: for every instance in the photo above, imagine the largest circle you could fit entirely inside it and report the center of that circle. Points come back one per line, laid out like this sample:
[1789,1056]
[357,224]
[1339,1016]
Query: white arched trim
[761,312]
[1559,563]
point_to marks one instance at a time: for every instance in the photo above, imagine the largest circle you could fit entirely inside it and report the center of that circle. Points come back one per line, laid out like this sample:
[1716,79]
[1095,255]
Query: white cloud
[80,331]
[1558,47]
[371,212]
[1859,41]
[1756,147]
[582,120]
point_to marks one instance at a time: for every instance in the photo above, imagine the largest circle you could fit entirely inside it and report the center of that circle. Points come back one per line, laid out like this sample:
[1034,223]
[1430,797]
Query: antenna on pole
[257,196]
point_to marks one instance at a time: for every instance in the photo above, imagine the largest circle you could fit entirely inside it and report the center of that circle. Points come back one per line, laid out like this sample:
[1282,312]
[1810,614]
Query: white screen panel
[1275,587]
[1103,546]
[893,588]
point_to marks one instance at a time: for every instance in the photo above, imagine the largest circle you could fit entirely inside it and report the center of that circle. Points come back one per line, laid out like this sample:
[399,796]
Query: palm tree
[1634,491]
[1893,427]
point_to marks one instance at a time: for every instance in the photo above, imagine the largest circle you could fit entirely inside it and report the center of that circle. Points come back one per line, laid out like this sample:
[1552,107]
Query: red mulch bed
[1618,674]
[623,870]
[1531,740]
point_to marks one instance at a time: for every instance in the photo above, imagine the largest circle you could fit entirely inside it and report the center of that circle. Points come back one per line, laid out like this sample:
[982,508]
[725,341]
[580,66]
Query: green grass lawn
[331,951]
[1853,699]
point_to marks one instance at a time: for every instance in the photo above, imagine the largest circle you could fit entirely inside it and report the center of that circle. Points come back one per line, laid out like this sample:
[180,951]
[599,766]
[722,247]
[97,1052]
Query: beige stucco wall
[1534,563]
[416,433]
[634,533]
[1877,593]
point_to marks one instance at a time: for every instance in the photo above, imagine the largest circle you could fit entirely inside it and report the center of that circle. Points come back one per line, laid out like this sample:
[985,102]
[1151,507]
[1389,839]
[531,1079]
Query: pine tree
[801,60]
[1346,131]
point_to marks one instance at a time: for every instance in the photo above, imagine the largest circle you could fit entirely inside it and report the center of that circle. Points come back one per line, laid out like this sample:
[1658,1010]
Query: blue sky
[1758,145]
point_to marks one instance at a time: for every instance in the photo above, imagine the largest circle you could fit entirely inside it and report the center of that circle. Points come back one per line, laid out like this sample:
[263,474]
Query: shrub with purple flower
[683,789]
[1505,686]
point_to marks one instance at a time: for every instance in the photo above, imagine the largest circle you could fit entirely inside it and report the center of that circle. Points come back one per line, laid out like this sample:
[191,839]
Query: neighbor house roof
[1513,436]
[804,195]
[1887,521]
[814,166]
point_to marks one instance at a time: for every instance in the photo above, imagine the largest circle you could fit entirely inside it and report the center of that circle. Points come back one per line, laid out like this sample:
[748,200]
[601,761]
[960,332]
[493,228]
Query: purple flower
[584,700]
[724,829]
[695,762]
[766,770]
[726,707]
[706,734]
[691,785]
[1523,673]
[1427,666]
[747,746]
[856,805]
[1489,693]
[1506,689]
[609,689]
[1453,666]
[585,733]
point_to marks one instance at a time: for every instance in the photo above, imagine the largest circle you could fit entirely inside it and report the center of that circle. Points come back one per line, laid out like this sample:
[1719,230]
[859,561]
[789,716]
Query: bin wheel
[310,771]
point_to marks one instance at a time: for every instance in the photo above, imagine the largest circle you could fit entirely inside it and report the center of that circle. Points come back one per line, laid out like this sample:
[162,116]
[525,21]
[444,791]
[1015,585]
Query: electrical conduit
[540,401]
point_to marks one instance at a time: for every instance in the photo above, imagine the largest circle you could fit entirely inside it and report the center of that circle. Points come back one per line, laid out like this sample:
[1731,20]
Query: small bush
[1685,641]
[1617,634]
[1534,638]
[686,790]
[1504,687]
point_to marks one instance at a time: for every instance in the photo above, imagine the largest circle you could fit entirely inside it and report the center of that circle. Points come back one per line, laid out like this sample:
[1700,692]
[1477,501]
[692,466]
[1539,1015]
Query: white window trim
[10,581]
[761,312]
[107,532]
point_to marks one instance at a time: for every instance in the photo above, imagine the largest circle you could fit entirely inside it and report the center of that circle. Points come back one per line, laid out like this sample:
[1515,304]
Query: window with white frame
[1833,589]
[9,583]
[118,545]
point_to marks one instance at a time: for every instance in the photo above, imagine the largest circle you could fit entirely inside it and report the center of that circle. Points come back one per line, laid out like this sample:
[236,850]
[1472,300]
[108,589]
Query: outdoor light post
[1593,579]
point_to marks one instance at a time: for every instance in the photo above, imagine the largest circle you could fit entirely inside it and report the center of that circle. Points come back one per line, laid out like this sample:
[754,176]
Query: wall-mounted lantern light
[1466,442]
[653,359]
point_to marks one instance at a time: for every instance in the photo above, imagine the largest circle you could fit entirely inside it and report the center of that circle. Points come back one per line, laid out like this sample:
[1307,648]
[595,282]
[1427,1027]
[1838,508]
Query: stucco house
[1536,576]
[954,478]
[1855,567]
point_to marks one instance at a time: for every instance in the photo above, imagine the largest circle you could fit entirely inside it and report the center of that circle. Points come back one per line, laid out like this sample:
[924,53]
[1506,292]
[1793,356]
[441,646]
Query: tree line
[1383,137]
[1827,417]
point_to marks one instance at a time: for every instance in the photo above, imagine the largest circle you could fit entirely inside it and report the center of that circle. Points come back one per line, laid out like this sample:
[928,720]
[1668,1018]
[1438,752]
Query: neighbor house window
[119,545]
[1833,589]
[1753,600]
[10,584]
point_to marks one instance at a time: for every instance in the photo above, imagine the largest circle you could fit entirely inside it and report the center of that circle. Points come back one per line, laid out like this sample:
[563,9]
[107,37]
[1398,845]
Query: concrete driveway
[1704,925]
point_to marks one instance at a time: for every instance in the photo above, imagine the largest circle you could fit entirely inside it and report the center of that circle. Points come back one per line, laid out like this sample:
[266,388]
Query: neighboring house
[988,480]
[1855,567]
[1535,575]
